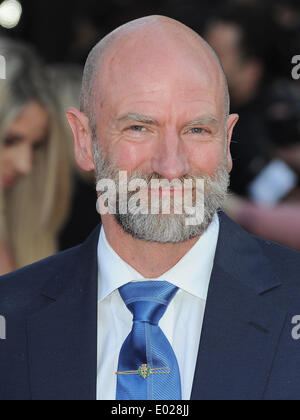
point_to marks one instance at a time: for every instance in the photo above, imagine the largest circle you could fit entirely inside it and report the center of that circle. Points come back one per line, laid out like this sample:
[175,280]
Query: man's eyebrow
[145,119]
[204,119]
[138,118]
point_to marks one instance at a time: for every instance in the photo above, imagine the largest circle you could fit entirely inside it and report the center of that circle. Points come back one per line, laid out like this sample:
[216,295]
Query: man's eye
[197,130]
[137,128]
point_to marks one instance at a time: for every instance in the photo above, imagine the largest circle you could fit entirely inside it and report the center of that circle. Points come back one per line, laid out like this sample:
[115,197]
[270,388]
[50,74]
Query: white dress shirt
[181,323]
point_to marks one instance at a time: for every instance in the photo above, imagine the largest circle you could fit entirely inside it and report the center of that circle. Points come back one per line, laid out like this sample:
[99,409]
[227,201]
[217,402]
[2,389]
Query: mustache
[148,178]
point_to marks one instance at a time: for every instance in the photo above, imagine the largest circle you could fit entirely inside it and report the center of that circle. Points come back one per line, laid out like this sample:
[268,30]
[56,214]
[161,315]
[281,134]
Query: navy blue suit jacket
[246,351]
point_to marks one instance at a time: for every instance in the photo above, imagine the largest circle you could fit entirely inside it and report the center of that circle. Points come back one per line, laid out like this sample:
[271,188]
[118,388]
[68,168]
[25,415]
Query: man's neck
[150,259]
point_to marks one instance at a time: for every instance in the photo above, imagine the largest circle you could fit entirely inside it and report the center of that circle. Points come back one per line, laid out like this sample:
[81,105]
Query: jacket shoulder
[30,280]
[285,260]
[258,257]
[50,277]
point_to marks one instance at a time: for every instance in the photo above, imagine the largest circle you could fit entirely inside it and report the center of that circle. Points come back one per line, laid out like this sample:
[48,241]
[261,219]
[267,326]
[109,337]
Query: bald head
[158,40]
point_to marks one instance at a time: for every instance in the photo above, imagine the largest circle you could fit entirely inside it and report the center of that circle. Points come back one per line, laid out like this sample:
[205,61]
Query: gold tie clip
[144,371]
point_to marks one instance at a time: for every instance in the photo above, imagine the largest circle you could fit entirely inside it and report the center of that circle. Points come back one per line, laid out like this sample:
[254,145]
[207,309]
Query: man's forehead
[166,81]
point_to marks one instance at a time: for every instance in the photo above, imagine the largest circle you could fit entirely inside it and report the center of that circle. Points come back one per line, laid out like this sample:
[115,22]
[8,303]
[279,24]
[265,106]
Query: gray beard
[166,228]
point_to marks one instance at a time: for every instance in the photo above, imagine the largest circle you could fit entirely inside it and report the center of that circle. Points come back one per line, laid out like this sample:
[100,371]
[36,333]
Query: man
[151,307]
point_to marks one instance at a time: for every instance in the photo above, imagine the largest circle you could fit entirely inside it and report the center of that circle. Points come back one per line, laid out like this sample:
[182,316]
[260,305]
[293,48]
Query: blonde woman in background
[34,162]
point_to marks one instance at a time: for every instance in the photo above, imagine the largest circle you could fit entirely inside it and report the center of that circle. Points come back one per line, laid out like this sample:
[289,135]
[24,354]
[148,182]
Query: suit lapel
[62,338]
[241,327]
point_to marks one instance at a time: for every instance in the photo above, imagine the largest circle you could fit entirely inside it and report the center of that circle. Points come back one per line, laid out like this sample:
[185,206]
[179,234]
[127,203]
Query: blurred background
[258,42]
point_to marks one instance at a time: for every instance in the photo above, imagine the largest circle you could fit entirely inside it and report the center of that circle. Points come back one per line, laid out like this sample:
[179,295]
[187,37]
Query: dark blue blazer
[246,352]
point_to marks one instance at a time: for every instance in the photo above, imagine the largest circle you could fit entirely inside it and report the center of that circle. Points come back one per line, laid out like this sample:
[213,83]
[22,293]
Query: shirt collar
[191,274]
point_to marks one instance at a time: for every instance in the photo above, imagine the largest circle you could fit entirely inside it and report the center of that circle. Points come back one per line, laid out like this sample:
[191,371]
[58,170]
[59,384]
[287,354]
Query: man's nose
[170,159]
[23,162]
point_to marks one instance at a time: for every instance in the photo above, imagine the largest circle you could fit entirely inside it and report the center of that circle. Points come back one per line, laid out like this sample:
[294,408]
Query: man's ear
[231,122]
[83,139]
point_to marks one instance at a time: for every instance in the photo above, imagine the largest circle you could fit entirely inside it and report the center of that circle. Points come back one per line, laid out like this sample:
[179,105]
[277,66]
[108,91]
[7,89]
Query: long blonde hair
[35,208]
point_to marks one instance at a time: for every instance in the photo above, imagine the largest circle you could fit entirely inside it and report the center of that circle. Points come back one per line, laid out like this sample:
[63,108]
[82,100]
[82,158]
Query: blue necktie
[148,368]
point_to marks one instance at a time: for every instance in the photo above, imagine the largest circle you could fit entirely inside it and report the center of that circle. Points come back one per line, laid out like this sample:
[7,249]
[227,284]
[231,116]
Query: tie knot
[148,300]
